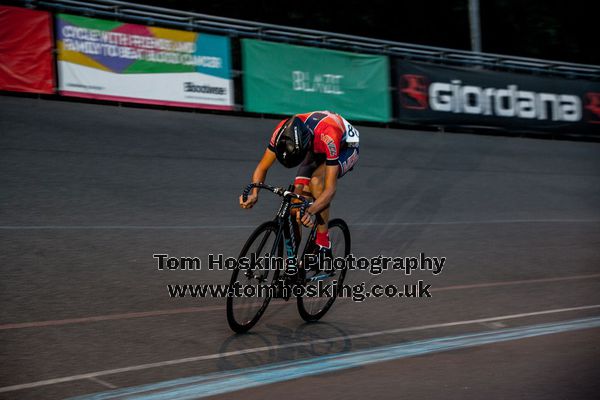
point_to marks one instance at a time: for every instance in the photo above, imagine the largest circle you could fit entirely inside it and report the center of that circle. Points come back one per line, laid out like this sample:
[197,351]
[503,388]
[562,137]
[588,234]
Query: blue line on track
[229,381]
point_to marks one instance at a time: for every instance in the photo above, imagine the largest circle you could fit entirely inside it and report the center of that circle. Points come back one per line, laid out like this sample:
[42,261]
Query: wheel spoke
[312,309]
[243,312]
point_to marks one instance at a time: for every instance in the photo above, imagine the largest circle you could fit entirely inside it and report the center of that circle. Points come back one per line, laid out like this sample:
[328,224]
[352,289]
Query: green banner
[286,79]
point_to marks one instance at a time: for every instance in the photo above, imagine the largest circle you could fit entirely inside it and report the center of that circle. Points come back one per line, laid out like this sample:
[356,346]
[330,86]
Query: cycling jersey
[335,143]
[332,134]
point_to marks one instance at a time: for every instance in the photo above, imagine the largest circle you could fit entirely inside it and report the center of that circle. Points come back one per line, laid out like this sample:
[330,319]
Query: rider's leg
[347,160]
[302,183]
[303,190]
[317,185]
[305,171]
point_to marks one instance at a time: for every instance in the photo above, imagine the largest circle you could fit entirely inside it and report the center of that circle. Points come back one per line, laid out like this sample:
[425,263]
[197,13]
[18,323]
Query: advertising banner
[26,50]
[433,94]
[126,62]
[286,79]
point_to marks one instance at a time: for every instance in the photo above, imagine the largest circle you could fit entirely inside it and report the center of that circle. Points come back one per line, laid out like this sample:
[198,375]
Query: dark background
[550,29]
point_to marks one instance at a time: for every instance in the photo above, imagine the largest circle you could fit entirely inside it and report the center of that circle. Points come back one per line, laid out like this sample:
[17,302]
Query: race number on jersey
[351,134]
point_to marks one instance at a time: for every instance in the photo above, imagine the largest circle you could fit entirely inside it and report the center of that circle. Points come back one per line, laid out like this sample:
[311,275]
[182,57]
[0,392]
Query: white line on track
[109,317]
[492,221]
[102,382]
[205,357]
[517,282]
[206,385]
[156,313]
[357,224]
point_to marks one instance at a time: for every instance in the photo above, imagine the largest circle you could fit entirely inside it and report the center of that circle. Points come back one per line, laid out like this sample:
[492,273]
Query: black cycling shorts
[346,161]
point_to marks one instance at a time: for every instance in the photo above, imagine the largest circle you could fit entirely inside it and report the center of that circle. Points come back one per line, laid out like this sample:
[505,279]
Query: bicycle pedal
[318,277]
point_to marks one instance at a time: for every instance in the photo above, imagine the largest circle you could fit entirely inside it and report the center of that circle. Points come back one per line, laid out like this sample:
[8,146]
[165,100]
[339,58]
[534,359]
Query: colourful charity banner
[113,60]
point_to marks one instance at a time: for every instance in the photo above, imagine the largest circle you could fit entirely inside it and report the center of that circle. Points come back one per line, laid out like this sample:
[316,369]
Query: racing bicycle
[274,239]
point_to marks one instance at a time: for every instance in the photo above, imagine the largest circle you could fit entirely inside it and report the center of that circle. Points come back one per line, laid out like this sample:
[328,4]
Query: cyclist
[325,146]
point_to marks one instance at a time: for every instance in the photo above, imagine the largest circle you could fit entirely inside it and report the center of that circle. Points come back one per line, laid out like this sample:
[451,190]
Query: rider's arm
[331,175]
[260,173]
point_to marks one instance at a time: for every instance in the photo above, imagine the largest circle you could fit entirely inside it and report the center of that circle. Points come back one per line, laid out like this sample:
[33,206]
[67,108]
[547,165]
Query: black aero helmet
[293,142]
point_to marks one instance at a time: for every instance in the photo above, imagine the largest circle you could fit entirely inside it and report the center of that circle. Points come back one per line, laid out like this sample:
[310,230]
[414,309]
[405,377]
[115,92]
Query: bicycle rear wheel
[244,312]
[314,308]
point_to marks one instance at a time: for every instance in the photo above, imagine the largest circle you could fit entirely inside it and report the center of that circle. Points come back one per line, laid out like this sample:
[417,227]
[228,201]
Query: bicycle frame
[284,228]
[283,219]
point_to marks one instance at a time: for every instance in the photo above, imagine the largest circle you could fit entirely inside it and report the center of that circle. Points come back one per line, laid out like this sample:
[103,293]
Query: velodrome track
[90,192]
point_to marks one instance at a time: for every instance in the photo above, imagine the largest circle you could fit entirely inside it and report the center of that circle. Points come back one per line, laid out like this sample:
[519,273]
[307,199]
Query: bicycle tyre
[303,309]
[234,323]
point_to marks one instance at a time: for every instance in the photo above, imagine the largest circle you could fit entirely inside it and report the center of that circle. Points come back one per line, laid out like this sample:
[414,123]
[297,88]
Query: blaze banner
[287,79]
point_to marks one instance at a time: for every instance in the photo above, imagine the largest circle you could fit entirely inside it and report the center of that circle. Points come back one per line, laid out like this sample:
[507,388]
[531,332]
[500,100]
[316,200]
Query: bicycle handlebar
[280,192]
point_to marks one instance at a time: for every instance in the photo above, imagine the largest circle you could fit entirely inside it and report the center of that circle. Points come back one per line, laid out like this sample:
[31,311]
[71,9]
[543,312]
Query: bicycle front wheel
[243,312]
[314,308]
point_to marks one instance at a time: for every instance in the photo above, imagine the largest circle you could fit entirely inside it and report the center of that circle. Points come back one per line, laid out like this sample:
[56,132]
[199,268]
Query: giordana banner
[287,79]
[472,97]
[127,62]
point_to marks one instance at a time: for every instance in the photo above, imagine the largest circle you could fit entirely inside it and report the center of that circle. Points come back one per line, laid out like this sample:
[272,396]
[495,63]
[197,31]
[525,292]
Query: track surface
[90,192]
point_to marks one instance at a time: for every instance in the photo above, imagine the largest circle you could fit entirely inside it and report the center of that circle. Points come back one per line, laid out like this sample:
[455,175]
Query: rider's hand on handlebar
[307,219]
[250,201]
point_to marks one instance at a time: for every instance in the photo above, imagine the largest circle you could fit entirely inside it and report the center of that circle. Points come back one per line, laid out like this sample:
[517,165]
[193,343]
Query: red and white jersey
[332,133]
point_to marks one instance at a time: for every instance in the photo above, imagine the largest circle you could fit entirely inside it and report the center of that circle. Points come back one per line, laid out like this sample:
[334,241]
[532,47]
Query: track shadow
[305,341]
